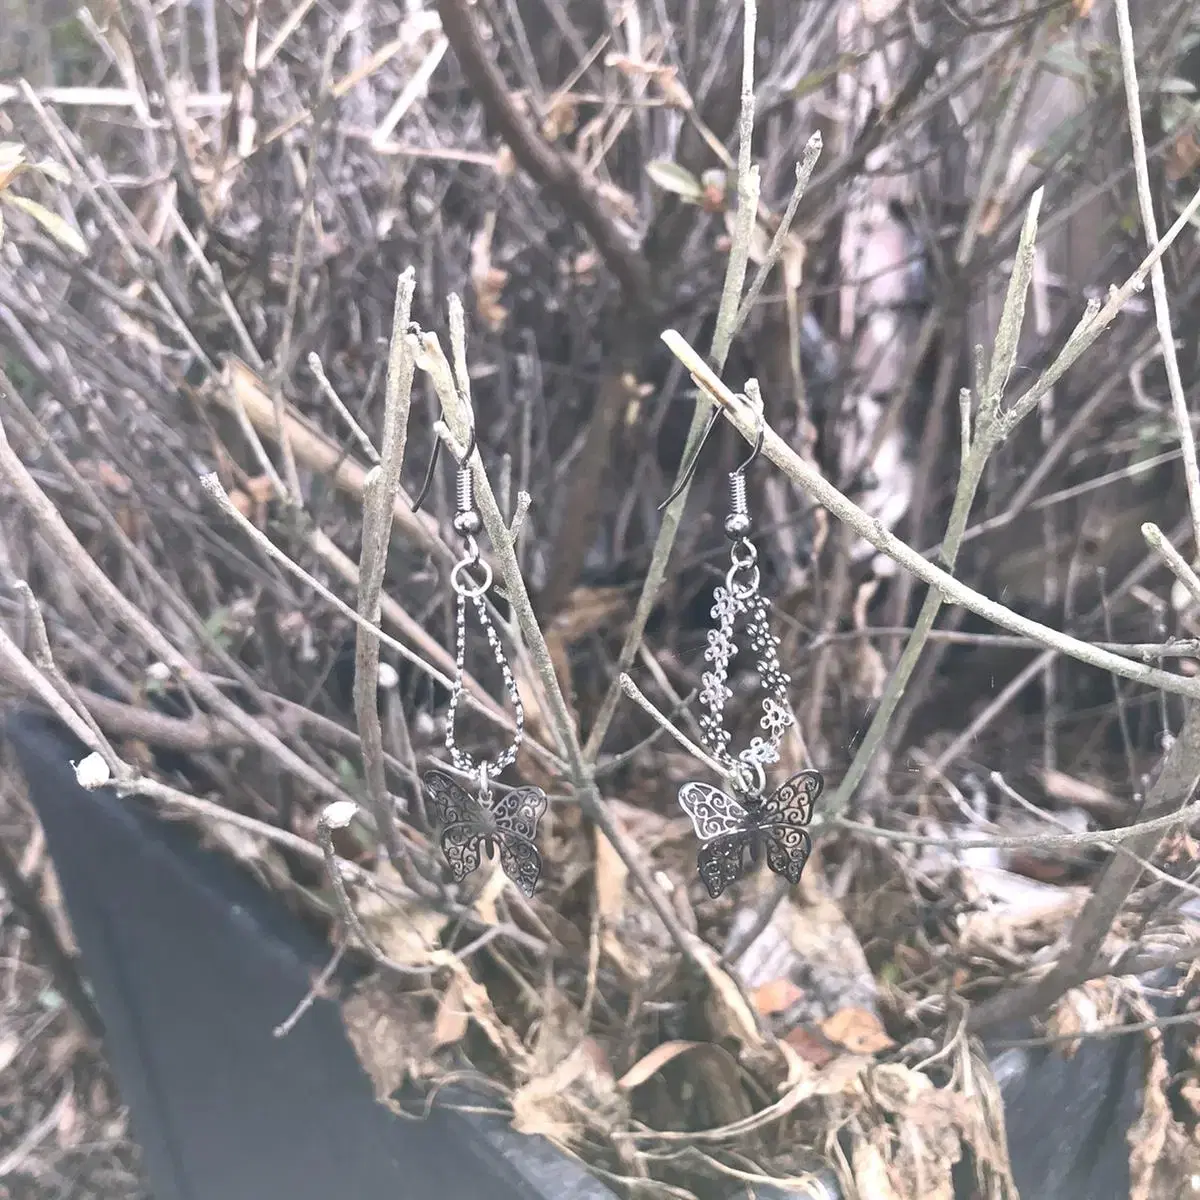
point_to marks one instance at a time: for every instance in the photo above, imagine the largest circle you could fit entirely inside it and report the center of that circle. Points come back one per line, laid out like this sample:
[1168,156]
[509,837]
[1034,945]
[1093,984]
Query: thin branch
[1158,282]
[105,593]
[874,532]
[378,505]
[459,419]
[727,324]
[1109,838]
[577,194]
[636,694]
[804,170]
[339,406]
[1180,568]
[1166,801]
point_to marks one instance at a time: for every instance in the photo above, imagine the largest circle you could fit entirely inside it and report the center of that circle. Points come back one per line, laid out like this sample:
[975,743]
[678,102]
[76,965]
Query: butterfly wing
[721,861]
[517,814]
[519,811]
[714,814]
[782,819]
[460,817]
[521,861]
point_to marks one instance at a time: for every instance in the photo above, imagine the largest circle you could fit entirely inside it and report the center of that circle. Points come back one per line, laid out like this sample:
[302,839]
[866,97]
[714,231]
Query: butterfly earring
[474,826]
[732,828]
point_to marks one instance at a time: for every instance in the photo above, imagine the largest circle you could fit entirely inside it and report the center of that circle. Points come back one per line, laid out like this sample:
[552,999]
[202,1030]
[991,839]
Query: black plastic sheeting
[193,965]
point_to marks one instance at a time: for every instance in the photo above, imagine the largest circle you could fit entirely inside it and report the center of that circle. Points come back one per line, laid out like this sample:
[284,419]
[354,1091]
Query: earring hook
[433,460]
[690,470]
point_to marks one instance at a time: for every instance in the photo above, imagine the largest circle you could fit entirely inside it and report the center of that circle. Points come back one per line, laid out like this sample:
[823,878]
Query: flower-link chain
[732,600]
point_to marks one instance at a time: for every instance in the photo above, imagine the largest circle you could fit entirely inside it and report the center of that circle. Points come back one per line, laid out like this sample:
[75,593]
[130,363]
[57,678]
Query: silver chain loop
[465,588]
[738,598]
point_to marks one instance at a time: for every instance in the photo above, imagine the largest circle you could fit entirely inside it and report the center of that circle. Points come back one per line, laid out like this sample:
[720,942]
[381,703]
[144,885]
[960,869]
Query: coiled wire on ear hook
[690,470]
[433,461]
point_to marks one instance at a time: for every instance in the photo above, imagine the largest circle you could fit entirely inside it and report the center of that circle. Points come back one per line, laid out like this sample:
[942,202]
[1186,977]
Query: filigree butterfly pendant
[471,828]
[729,828]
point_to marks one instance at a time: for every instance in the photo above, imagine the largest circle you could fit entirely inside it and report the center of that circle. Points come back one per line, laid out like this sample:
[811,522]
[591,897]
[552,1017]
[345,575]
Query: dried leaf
[590,609]
[650,1064]
[12,162]
[450,1024]
[810,1046]
[542,1105]
[730,1012]
[671,177]
[775,997]
[563,118]
[1148,1134]
[487,280]
[871,1173]
[390,1033]
[1066,789]
[611,873]
[10,1044]
[63,233]
[1081,1010]
[403,925]
[857,1030]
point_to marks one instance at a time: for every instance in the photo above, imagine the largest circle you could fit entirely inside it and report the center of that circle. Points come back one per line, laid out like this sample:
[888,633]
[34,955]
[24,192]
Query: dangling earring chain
[468,524]
[740,595]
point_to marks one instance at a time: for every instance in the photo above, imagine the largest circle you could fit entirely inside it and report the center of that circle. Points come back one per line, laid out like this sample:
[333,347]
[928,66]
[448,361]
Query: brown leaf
[1183,156]
[1081,1010]
[811,1046]
[450,1024]
[563,118]
[775,997]
[1148,1134]
[487,280]
[650,1064]
[402,925]
[611,873]
[12,162]
[390,1034]
[857,1030]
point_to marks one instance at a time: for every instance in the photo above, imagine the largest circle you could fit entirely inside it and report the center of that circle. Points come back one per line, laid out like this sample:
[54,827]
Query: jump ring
[469,589]
[749,777]
[736,590]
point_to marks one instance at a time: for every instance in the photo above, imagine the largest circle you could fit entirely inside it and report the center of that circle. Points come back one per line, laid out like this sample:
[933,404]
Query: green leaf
[63,233]
[671,177]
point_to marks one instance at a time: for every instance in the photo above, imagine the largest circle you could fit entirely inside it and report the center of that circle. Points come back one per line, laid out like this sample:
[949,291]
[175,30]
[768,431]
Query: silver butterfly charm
[729,828]
[471,828]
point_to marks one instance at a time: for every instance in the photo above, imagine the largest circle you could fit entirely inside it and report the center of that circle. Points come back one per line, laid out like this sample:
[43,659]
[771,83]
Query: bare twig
[1165,803]
[1158,282]
[1157,541]
[553,171]
[431,359]
[379,503]
[871,530]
